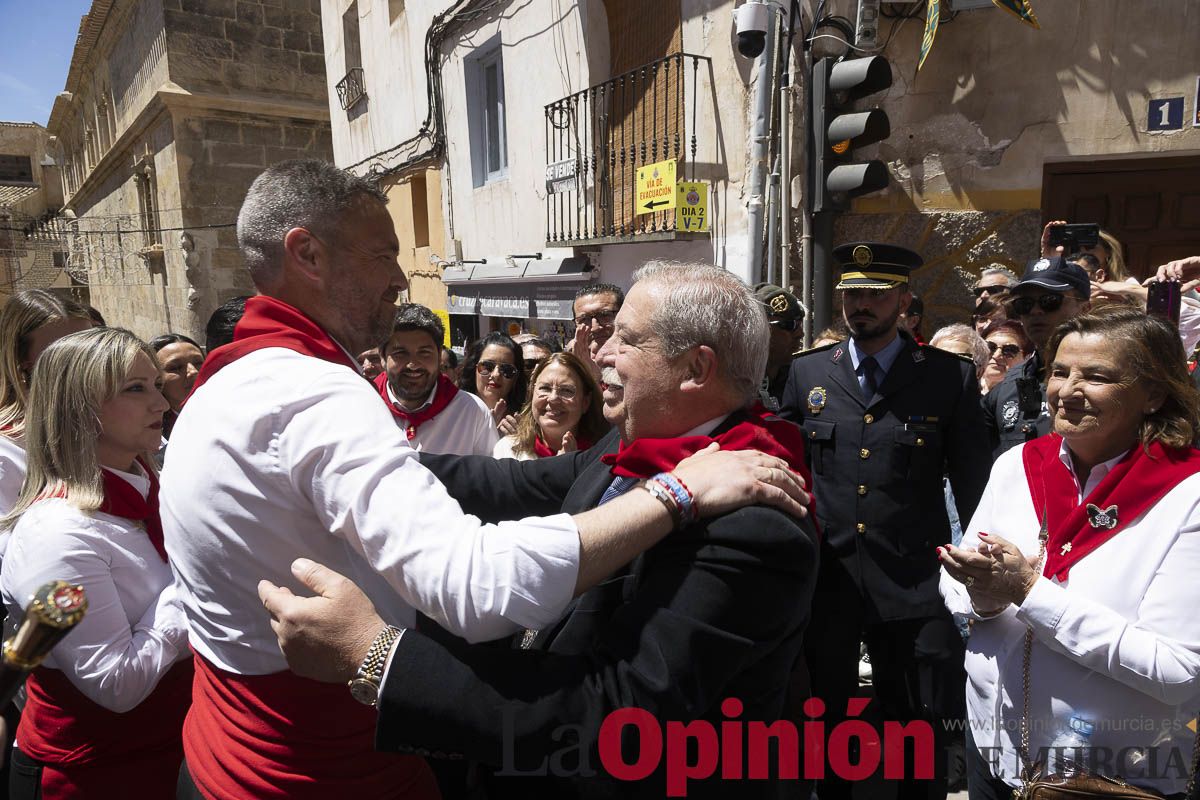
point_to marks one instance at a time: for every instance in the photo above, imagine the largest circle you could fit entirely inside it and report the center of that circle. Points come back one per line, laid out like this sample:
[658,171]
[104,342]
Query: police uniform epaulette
[812,350]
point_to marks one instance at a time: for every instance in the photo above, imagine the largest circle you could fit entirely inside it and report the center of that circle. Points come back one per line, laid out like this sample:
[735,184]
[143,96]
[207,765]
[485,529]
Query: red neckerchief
[273,323]
[542,450]
[759,430]
[1134,484]
[413,419]
[121,499]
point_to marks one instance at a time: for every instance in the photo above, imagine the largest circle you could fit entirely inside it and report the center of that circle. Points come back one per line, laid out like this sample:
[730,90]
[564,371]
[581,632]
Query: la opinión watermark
[732,749]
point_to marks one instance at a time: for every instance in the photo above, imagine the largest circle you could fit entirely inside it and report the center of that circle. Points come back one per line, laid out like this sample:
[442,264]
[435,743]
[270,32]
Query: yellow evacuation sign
[655,187]
[691,206]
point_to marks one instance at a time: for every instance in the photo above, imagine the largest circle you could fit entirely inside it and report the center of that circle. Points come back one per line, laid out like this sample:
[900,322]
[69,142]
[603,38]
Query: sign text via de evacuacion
[655,187]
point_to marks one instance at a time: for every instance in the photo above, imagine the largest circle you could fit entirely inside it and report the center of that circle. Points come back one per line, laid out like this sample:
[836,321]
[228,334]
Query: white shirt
[463,428]
[12,476]
[280,455]
[133,631]
[1097,474]
[1117,643]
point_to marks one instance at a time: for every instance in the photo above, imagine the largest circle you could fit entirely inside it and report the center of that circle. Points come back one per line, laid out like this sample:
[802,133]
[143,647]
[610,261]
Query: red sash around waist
[61,726]
[283,736]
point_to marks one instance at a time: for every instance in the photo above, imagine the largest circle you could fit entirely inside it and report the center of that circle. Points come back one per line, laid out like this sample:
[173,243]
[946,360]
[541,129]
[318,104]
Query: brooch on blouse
[1102,518]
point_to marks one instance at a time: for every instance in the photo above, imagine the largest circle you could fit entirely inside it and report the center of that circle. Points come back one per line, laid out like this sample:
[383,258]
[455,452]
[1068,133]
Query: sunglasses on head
[488,367]
[789,325]
[980,291]
[1006,350]
[1047,302]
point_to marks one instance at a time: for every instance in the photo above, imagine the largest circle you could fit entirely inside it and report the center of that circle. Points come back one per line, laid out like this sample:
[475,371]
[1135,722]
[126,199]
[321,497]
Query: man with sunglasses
[1051,292]
[884,420]
[995,282]
[784,318]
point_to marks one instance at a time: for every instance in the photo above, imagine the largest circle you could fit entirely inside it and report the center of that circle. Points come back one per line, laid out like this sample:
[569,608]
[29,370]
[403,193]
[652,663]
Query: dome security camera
[751,20]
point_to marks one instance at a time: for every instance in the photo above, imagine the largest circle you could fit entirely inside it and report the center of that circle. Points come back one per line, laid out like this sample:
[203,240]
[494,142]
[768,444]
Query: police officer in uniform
[784,316]
[1051,292]
[885,420]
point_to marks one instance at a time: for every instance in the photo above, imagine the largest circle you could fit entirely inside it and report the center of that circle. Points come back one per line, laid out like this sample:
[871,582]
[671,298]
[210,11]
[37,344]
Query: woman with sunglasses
[1007,344]
[564,412]
[492,370]
[106,707]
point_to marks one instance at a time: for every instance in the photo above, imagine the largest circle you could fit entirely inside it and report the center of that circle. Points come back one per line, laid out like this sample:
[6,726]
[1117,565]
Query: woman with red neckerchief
[1080,567]
[106,708]
[564,412]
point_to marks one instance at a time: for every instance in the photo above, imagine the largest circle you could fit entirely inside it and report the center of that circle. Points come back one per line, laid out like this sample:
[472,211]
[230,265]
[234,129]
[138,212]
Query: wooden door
[1152,205]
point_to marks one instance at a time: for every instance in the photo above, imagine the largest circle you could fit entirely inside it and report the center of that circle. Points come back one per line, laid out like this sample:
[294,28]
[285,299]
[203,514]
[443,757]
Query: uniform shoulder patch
[930,349]
[812,351]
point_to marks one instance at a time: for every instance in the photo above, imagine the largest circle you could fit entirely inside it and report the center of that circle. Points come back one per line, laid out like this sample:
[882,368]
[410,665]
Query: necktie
[619,486]
[868,366]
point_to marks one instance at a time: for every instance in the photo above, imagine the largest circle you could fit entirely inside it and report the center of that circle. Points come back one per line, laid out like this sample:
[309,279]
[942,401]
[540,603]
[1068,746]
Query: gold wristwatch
[364,686]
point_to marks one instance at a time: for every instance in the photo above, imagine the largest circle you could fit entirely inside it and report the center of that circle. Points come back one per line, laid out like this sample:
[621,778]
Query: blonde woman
[29,323]
[563,413]
[106,708]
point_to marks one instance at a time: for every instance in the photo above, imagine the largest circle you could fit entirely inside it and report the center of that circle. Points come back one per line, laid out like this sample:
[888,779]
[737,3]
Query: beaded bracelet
[667,499]
[683,496]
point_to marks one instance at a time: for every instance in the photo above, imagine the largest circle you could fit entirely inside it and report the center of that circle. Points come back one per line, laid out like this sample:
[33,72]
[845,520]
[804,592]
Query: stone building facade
[171,108]
[32,245]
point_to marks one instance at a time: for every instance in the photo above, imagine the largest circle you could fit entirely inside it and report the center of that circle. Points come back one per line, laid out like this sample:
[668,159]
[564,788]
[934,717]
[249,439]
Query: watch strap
[372,666]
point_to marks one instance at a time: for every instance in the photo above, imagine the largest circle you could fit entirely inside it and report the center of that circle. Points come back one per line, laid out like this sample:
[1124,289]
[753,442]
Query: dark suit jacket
[878,468]
[715,611]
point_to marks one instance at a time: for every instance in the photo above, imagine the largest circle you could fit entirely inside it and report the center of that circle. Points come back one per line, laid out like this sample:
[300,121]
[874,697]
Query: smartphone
[1163,301]
[1072,237]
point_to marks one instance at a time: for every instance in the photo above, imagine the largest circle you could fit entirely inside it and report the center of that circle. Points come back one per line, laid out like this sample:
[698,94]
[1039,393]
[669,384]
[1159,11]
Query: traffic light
[837,130]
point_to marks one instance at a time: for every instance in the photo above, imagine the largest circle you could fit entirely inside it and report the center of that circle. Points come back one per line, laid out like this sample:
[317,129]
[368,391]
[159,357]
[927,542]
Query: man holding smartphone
[1051,292]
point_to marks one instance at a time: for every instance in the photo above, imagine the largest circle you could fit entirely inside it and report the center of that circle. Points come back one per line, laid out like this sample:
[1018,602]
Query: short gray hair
[300,193]
[996,269]
[964,333]
[706,305]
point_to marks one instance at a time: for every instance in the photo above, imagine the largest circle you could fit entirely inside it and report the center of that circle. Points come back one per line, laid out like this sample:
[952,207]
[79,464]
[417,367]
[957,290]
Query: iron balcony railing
[597,138]
[351,88]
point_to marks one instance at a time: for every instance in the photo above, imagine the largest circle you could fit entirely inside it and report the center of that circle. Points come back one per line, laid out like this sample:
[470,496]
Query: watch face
[364,691]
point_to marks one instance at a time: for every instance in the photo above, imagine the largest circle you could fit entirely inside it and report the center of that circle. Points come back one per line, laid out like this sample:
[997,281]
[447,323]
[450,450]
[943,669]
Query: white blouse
[505,448]
[280,455]
[133,631]
[1117,643]
[12,476]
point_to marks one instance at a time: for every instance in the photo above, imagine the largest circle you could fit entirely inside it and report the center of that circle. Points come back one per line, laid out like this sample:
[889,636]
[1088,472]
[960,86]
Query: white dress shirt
[463,428]
[134,630]
[280,455]
[1117,643]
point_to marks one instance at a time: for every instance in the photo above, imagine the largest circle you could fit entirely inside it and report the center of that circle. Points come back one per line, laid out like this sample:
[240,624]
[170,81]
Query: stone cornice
[169,98]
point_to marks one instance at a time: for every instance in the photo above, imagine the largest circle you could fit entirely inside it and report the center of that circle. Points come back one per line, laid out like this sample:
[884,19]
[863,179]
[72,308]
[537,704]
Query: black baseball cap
[1058,275]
